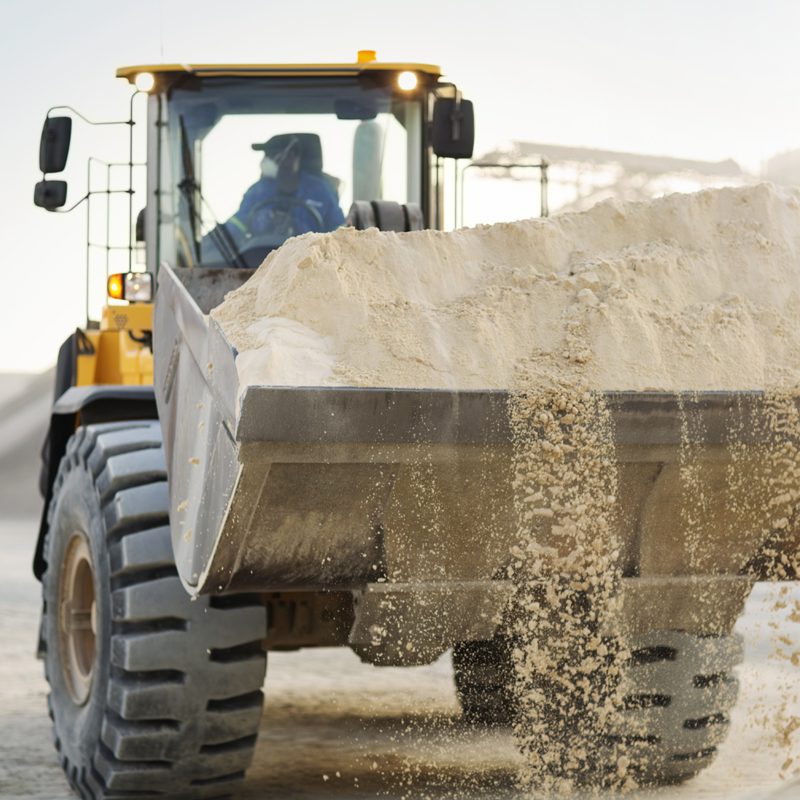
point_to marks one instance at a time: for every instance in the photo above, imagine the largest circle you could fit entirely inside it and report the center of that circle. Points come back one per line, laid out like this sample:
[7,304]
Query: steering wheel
[289,203]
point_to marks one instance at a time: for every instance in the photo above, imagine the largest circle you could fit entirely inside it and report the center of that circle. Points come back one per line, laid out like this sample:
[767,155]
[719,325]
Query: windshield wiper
[188,186]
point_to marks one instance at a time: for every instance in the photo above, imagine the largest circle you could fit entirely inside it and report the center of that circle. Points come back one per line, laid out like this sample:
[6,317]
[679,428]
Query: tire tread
[668,740]
[184,681]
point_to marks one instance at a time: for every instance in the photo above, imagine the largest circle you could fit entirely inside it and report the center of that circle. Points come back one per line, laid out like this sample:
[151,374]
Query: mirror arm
[86,119]
[71,208]
[86,197]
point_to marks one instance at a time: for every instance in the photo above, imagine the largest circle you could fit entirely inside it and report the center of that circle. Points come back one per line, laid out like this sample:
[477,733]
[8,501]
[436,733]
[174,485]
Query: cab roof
[277,70]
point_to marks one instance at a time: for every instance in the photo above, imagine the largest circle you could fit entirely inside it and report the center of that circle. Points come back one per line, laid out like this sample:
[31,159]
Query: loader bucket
[308,488]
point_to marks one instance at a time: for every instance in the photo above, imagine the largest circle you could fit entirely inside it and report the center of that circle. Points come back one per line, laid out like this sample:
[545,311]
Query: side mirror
[453,134]
[54,145]
[50,194]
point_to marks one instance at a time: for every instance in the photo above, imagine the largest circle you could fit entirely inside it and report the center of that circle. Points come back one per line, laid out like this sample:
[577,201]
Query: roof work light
[407,81]
[144,81]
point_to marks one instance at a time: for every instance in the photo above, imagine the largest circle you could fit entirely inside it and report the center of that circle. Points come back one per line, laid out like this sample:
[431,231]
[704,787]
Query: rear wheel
[151,693]
[680,689]
[484,676]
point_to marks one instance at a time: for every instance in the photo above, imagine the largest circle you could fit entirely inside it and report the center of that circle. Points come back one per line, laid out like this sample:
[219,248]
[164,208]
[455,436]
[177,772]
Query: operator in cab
[293,195]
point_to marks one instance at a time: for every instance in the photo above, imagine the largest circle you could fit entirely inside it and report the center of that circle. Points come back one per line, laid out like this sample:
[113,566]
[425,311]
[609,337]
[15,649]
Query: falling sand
[686,294]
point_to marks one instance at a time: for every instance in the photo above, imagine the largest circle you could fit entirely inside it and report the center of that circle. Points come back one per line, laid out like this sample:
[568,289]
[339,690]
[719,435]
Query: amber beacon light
[135,287]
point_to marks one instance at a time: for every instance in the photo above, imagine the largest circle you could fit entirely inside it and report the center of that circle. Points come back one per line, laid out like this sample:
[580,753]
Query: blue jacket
[311,190]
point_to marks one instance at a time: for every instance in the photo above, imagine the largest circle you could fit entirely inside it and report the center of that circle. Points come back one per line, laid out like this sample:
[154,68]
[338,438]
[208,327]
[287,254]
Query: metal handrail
[542,166]
[108,191]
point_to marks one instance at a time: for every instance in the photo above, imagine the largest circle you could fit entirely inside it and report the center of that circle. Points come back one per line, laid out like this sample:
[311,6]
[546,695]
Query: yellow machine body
[120,351]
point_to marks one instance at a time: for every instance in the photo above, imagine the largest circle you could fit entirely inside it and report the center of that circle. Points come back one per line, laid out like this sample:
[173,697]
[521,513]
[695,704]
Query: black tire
[680,689]
[175,698]
[484,676]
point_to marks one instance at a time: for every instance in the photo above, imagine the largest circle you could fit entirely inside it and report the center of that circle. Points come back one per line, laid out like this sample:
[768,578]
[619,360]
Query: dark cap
[278,146]
[308,144]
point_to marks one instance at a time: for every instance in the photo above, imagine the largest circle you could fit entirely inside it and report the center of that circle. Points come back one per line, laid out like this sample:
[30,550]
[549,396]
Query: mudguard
[83,405]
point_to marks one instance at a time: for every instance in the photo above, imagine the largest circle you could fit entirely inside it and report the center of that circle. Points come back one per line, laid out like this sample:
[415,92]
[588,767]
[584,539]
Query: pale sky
[707,79]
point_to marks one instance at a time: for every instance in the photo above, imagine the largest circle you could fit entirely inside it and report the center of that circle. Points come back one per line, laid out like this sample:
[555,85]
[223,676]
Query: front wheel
[151,693]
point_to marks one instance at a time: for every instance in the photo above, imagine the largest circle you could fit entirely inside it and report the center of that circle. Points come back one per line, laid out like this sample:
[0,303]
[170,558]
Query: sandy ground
[333,727]
[392,733]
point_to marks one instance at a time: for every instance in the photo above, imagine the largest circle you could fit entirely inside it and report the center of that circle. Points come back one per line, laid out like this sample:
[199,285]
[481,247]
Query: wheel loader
[191,525]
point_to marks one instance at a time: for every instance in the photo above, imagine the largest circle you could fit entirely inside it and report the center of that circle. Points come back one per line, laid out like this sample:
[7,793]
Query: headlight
[136,287]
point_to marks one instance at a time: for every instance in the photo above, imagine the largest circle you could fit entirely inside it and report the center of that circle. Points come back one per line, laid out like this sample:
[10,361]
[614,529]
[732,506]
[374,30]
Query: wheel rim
[77,618]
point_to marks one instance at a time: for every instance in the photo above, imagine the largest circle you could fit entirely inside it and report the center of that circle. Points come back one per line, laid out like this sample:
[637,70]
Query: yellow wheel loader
[187,531]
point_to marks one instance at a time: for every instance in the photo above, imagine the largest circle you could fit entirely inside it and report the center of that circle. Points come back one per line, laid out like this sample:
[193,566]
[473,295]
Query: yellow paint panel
[117,357]
[130,317]
[87,362]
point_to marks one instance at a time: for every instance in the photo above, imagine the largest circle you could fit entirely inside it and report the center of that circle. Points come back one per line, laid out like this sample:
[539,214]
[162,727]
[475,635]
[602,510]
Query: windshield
[248,162]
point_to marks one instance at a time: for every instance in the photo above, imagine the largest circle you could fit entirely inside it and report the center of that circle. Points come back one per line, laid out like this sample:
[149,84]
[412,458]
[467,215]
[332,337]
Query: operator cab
[250,156]
[242,157]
